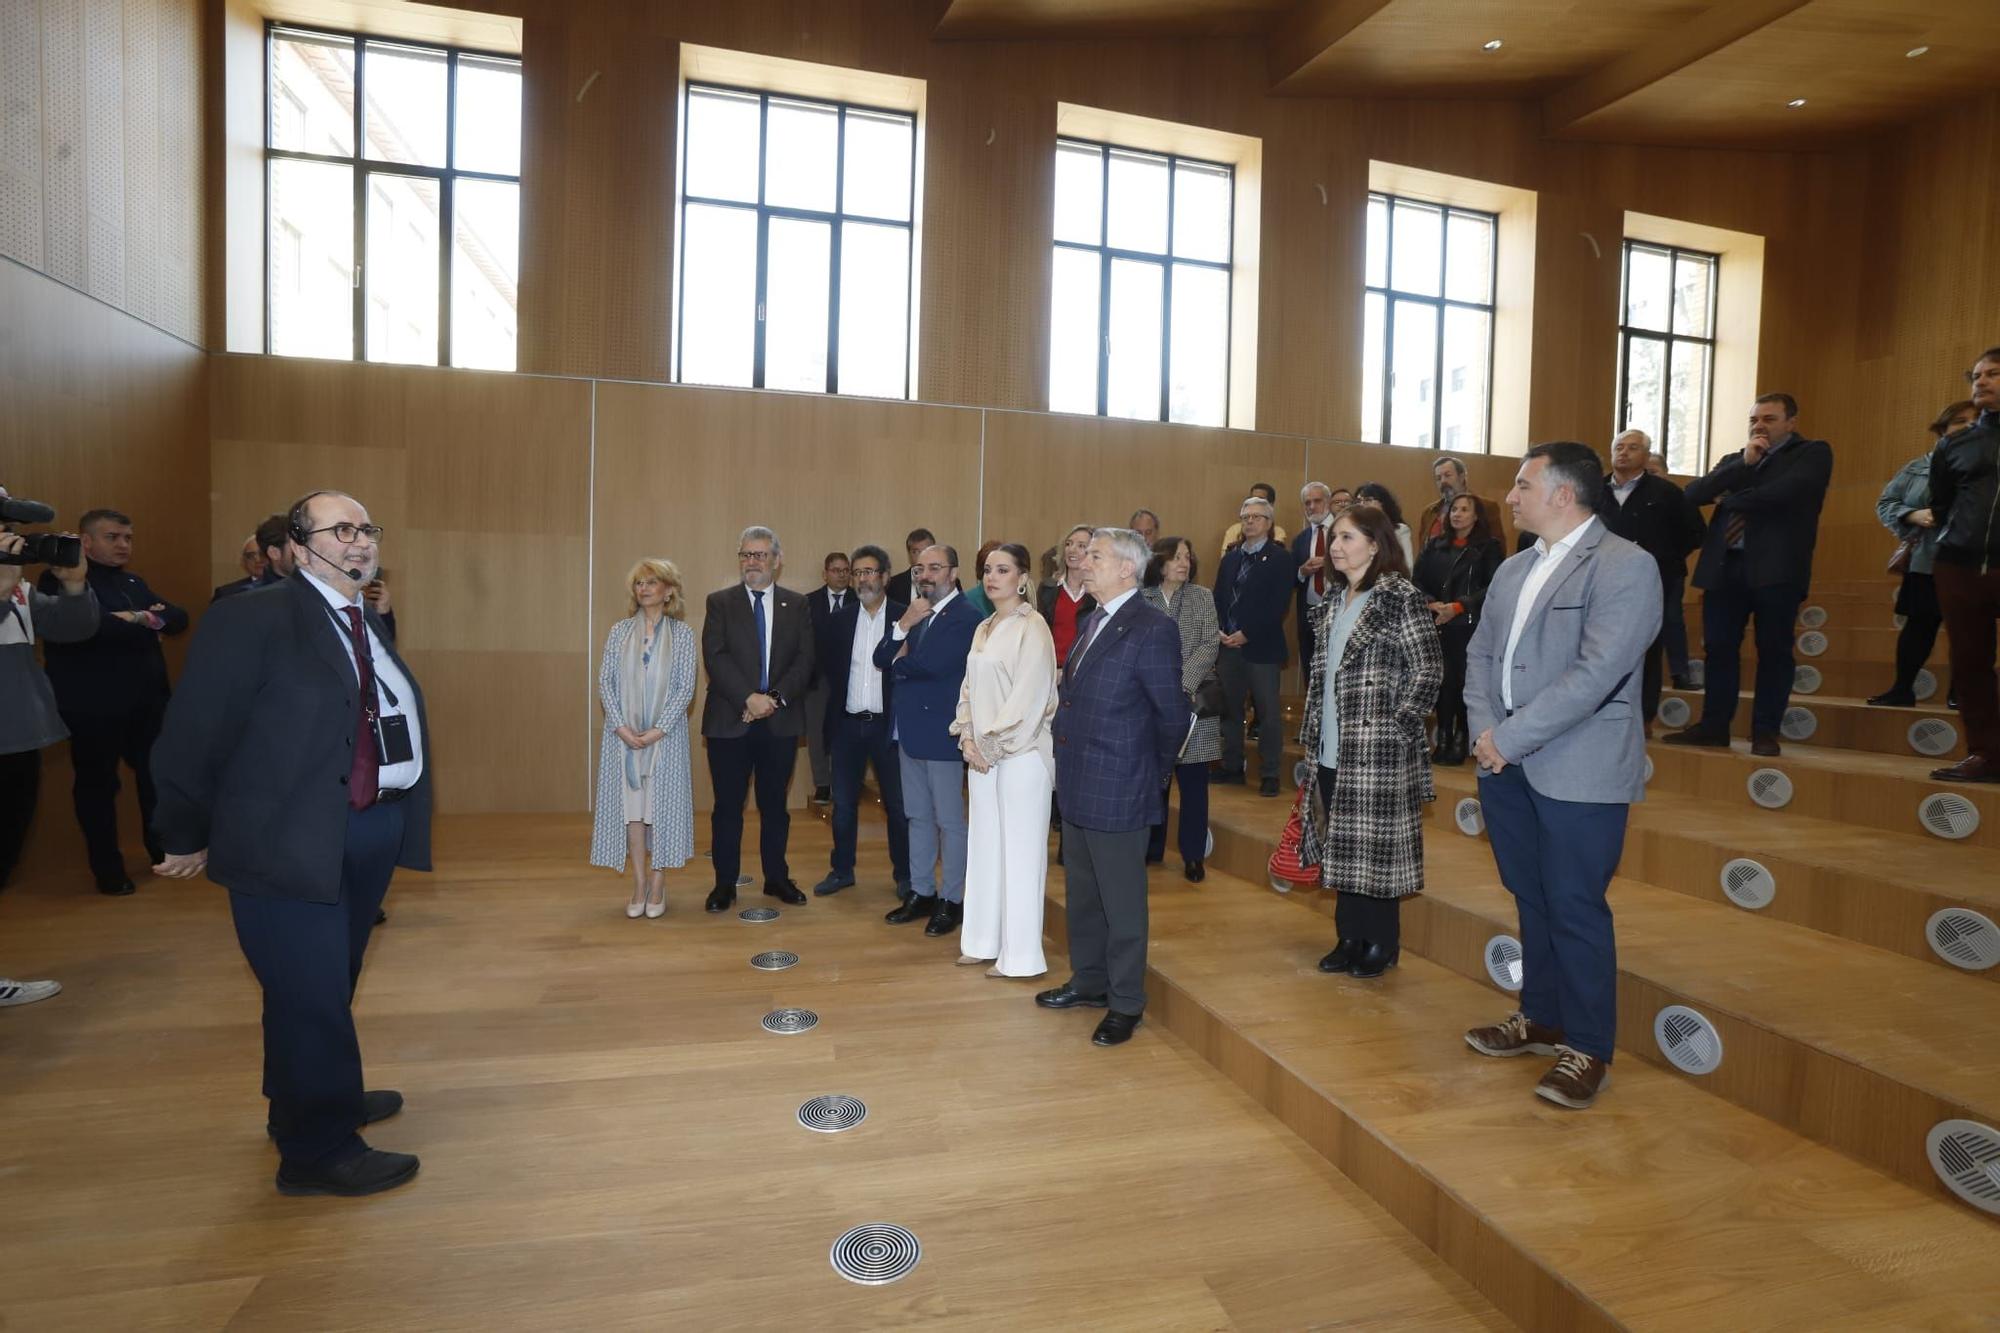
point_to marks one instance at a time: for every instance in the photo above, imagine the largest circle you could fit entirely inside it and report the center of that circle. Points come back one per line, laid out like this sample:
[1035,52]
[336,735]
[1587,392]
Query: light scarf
[16,624]
[642,690]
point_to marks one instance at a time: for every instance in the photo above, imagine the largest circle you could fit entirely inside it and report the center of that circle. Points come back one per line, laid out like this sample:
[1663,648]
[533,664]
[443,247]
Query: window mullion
[1167,305]
[835,229]
[1103,280]
[763,244]
[1437,343]
[361,257]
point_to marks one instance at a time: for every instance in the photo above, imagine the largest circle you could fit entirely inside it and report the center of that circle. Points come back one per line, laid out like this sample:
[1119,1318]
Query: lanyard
[375,681]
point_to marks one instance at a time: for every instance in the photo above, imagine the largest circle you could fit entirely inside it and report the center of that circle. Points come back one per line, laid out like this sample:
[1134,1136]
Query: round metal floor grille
[1899,620]
[1770,788]
[1806,678]
[1925,685]
[1466,815]
[758,914]
[1964,938]
[830,1115]
[875,1254]
[1812,643]
[1208,843]
[1948,815]
[1675,712]
[1503,961]
[1280,883]
[773,960]
[744,881]
[1966,1156]
[1798,723]
[1933,736]
[1812,617]
[1748,884]
[1697,673]
[1688,1040]
[786,1022]
[1649,768]
[1302,773]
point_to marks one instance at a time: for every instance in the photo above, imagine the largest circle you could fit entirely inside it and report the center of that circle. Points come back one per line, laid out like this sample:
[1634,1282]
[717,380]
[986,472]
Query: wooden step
[1846,722]
[1659,1208]
[1850,643]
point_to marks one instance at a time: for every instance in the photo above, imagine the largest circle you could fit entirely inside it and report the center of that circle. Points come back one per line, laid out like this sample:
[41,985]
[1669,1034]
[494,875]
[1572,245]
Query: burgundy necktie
[1090,627]
[1732,531]
[366,773]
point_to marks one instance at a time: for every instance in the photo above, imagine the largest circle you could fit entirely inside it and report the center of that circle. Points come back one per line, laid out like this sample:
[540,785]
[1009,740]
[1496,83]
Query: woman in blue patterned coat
[1375,674]
[645,775]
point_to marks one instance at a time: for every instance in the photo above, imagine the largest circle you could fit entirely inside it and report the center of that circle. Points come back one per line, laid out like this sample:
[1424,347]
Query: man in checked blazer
[757,649]
[1118,729]
[1552,697]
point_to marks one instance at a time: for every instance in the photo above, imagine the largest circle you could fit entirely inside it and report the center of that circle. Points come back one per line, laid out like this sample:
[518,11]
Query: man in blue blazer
[1253,587]
[1119,726]
[1552,695]
[859,695]
[925,654]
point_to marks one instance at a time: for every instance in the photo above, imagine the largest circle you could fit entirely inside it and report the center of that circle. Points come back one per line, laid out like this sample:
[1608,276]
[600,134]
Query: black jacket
[1657,518]
[1965,494]
[1259,609]
[121,665]
[253,758]
[1045,602]
[835,650]
[1780,498]
[1449,573]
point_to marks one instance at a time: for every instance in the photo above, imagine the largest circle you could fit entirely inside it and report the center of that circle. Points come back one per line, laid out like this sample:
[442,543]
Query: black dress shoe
[1893,699]
[1698,734]
[721,899]
[116,888]
[785,892]
[375,1106]
[1765,743]
[822,796]
[903,891]
[1342,957]
[381,917]
[1681,683]
[832,884]
[1193,872]
[1370,960]
[369,1173]
[916,909]
[1062,997]
[944,919]
[1114,1030]
[1156,858]
[1268,787]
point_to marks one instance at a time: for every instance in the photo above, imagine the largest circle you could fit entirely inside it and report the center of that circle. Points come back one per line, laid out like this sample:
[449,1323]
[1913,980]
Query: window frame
[364,167]
[1627,332]
[764,212]
[1107,252]
[1390,295]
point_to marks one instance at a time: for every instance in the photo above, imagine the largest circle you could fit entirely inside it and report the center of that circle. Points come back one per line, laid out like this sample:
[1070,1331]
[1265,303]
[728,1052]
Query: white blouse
[1009,695]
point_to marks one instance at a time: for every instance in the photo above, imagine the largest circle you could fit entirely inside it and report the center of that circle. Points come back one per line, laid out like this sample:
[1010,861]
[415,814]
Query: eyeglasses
[753,555]
[866,572]
[347,533]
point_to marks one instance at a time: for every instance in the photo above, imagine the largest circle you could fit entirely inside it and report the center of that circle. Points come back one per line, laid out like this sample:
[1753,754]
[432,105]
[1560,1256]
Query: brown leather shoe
[1516,1036]
[1765,743]
[1575,1079]
[1972,768]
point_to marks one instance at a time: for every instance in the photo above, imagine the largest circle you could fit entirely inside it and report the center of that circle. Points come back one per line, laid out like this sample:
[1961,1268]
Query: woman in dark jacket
[1453,572]
[1905,509]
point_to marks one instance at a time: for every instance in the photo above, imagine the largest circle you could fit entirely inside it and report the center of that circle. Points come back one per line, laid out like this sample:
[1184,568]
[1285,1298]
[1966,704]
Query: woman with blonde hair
[645,774]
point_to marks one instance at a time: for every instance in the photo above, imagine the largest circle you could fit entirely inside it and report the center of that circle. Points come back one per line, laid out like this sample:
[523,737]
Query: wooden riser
[1844,723]
[1849,644]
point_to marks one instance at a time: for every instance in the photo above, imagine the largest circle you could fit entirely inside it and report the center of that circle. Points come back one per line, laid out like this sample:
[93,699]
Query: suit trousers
[857,743]
[1007,864]
[307,957]
[1257,682]
[98,743]
[1971,602]
[1193,839]
[1107,914]
[1454,637]
[934,800]
[818,756]
[1917,603]
[1725,611]
[733,762]
[20,784]
[1557,859]
[1673,623]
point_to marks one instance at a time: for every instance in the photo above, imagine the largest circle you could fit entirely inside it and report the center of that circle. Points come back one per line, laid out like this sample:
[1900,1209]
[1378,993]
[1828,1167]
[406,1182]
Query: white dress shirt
[864,678]
[1548,560]
[1109,609]
[770,605]
[396,696]
[899,634]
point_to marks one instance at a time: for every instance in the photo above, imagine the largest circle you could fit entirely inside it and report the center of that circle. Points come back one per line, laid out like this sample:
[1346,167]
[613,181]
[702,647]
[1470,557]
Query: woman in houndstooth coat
[1375,674]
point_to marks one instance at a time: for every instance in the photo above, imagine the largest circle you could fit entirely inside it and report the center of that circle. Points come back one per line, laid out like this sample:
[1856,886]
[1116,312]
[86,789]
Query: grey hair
[1457,463]
[757,532]
[1270,509]
[1644,438]
[1127,545]
[1312,486]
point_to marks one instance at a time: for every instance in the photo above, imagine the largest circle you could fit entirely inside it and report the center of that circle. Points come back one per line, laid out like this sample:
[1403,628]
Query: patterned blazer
[1120,721]
[1371,840]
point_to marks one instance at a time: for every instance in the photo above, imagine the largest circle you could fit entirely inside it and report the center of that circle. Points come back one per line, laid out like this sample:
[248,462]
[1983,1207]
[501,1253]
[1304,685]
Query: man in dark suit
[1309,554]
[824,602]
[757,648]
[1756,561]
[1118,728]
[254,569]
[274,564]
[1652,514]
[1452,482]
[902,587]
[859,695]
[925,654]
[295,768]
[112,691]
[1252,589]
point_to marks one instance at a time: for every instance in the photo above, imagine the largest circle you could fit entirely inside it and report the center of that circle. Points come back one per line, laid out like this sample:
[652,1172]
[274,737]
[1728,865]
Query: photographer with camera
[112,690]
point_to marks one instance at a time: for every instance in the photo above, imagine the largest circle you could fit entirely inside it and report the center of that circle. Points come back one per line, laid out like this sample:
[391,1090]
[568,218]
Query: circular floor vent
[1302,773]
[875,1254]
[1812,643]
[1208,844]
[1771,788]
[832,1114]
[1812,617]
[1948,815]
[1503,961]
[1798,723]
[1966,1156]
[1466,815]
[1925,684]
[1649,768]
[1748,884]
[1933,736]
[774,960]
[1899,620]
[1697,673]
[1689,1041]
[1964,938]
[790,1022]
[1675,712]
[1806,679]
[758,914]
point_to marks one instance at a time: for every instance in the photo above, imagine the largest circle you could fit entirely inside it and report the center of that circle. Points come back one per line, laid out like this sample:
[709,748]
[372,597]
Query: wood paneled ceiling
[1692,72]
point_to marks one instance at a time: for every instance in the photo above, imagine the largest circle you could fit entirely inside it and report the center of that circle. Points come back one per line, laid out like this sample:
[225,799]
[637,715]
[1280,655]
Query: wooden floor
[609,1138]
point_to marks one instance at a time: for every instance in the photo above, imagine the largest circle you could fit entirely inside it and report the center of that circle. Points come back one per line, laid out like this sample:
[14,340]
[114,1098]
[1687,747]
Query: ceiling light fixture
[1796,102]
[1493,45]
[1914,52]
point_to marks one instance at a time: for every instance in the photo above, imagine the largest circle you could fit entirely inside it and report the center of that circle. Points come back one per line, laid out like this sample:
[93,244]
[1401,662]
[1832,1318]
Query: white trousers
[1007,864]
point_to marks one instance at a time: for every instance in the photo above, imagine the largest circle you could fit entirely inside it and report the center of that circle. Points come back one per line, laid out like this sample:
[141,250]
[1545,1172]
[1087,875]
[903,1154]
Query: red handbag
[1287,871]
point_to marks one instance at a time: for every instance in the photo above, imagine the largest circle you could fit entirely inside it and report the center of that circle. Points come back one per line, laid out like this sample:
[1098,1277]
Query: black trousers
[1917,603]
[1725,611]
[98,743]
[1358,916]
[1193,839]
[1673,622]
[859,742]
[20,785]
[1453,638]
[307,957]
[733,763]
[1106,902]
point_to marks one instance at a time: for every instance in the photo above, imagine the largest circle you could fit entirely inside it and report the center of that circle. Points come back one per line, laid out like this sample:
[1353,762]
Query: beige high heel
[656,910]
[967,960]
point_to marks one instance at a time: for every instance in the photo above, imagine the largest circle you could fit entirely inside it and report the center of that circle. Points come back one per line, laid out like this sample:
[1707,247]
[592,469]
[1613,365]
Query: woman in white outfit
[1004,710]
[645,776]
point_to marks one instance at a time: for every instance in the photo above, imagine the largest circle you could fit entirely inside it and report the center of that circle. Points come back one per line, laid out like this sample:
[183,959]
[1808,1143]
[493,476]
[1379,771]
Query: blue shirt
[1339,629]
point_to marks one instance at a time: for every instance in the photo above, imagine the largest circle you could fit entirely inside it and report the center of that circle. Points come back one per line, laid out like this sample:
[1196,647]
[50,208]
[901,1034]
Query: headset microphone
[354,575]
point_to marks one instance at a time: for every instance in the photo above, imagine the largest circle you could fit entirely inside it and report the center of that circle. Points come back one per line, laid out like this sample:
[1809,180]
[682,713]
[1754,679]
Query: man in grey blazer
[1552,695]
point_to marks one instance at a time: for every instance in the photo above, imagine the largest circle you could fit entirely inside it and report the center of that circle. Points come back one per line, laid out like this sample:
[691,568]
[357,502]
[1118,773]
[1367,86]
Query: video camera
[39,548]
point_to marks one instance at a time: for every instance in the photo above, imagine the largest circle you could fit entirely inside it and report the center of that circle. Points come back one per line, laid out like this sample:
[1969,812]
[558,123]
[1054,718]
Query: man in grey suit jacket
[1552,694]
